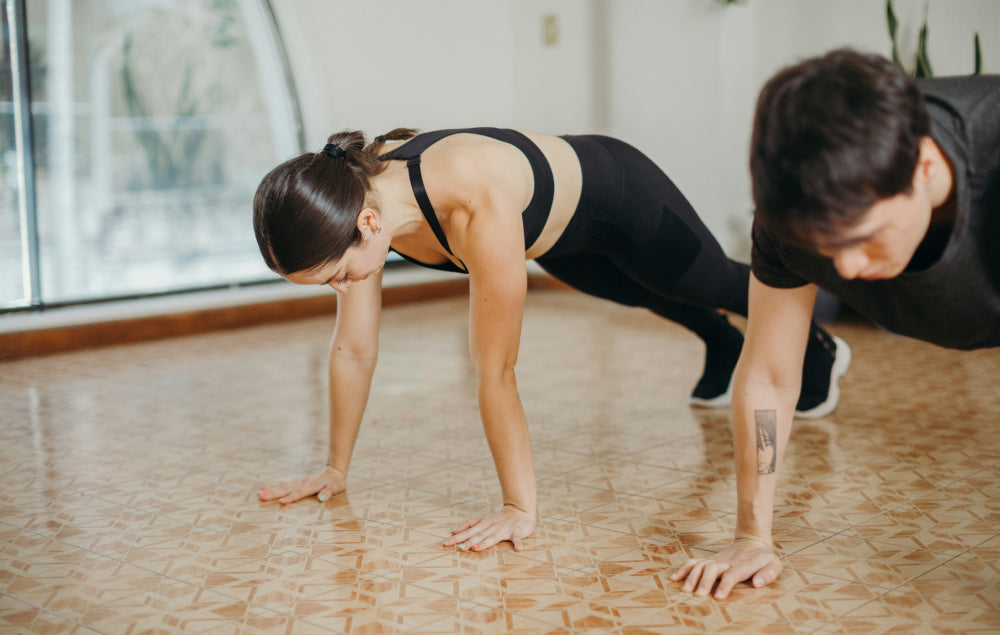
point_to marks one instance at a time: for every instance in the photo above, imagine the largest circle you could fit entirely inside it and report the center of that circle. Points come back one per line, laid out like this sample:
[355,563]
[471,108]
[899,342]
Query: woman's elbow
[499,370]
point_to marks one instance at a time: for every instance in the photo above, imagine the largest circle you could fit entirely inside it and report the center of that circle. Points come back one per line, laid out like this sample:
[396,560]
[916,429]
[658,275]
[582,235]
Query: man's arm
[765,390]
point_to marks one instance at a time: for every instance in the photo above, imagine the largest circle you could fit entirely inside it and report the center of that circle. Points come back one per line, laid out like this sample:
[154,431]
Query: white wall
[374,66]
[430,64]
[677,78]
[681,92]
[685,75]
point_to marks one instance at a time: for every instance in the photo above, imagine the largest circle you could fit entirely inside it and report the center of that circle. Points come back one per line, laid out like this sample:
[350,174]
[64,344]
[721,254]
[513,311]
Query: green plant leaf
[923,68]
[979,57]
[893,24]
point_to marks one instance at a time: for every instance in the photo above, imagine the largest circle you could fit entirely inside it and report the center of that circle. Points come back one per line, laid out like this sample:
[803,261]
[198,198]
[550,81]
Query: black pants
[635,240]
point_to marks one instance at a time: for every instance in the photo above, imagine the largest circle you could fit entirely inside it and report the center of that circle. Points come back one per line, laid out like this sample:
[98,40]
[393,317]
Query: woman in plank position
[593,211]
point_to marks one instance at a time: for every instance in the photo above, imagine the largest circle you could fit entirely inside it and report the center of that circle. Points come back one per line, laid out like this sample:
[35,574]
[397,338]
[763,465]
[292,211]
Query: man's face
[882,243]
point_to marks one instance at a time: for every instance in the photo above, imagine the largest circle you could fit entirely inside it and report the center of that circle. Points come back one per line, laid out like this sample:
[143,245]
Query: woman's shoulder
[475,160]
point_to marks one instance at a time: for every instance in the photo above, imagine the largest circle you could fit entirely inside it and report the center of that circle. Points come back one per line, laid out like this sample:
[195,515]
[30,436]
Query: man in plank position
[883,190]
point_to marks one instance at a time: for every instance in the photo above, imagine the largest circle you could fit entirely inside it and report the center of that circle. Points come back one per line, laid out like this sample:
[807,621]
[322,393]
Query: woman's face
[357,264]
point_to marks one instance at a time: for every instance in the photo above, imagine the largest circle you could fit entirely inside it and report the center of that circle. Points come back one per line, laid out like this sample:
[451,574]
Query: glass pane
[154,122]
[12,291]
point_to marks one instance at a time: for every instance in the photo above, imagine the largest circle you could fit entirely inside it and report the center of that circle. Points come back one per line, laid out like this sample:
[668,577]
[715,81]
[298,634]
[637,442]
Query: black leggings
[635,240]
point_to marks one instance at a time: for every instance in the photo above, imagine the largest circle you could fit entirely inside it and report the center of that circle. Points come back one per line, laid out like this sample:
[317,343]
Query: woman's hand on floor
[510,523]
[745,559]
[325,484]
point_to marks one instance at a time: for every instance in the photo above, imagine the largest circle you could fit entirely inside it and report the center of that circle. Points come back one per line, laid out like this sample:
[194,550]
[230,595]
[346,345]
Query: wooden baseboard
[61,339]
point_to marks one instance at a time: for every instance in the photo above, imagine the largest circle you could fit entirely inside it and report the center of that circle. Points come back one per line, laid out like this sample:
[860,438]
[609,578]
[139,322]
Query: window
[153,121]
[13,290]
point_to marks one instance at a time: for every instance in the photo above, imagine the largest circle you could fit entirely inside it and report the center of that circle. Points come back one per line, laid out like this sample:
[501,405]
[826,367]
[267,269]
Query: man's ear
[924,173]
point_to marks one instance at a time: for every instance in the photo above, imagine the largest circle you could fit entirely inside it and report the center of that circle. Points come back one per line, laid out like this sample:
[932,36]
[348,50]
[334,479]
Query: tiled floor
[128,479]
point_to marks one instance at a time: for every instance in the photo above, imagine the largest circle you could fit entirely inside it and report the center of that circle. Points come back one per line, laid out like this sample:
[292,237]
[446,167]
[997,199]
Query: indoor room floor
[128,479]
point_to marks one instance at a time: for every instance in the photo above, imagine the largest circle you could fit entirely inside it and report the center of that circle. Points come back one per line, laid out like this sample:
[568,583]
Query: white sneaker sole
[841,362]
[722,401]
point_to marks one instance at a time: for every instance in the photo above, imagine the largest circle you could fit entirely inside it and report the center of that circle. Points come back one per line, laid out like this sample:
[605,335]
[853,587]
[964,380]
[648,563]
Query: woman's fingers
[693,577]
[482,533]
[267,493]
[306,488]
[518,542]
[474,537]
[682,573]
[488,539]
[463,531]
[746,560]
[768,574]
[329,482]
[467,540]
[298,494]
[709,575]
[271,492]
[469,523]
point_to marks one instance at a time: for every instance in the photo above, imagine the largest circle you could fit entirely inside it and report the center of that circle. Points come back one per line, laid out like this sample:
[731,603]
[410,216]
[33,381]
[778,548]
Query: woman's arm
[353,353]
[492,247]
[765,390]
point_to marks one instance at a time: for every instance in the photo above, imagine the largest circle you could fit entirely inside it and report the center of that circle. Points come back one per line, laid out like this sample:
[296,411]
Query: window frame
[27,206]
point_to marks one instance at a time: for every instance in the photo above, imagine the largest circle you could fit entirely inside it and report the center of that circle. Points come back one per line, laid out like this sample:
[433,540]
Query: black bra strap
[417,183]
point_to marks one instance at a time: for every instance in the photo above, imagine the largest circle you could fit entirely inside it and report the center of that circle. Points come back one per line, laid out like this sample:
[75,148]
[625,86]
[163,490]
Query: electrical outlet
[550,30]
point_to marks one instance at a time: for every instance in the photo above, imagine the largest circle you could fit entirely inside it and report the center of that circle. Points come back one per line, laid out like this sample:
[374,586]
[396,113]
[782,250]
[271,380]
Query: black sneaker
[827,359]
[715,388]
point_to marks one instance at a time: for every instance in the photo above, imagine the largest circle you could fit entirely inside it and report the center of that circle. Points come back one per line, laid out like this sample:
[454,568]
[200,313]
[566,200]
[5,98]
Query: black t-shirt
[955,302]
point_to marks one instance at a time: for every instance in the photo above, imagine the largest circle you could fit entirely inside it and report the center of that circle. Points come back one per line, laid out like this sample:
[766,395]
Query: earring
[378,230]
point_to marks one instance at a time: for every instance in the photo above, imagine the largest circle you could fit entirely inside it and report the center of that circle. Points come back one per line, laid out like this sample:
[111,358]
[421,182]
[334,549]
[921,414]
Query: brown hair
[831,136]
[305,211]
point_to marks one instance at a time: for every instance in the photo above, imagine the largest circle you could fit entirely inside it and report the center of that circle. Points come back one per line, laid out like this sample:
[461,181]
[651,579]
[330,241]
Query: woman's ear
[369,223]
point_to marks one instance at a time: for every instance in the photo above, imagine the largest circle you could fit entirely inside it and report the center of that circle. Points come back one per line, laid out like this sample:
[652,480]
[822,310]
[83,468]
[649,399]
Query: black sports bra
[533,216]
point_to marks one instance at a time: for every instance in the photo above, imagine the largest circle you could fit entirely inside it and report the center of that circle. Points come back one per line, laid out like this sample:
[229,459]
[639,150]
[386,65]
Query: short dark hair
[831,136]
[305,211]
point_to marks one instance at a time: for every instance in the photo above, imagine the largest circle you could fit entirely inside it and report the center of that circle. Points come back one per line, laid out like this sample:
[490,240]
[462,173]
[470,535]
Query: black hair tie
[335,151]
[380,139]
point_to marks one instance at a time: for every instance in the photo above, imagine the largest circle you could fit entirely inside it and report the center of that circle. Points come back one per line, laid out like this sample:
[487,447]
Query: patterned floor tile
[20,617]
[875,564]
[905,612]
[476,619]
[912,525]
[590,598]
[704,490]
[379,548]
[806,600]
[382,605]
[623,477]
[562,498]
[128,481]
[972,579]
[483,577]
[571,545]
[647,517]
[705,616]
[698,453]
[71,589]
[85,520]
[176,607]
[197,554]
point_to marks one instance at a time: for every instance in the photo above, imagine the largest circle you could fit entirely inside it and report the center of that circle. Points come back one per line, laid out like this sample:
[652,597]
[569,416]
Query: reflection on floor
[128,478]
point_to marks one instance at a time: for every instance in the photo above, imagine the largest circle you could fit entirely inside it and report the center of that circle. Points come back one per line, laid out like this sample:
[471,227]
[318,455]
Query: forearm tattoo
[767,440]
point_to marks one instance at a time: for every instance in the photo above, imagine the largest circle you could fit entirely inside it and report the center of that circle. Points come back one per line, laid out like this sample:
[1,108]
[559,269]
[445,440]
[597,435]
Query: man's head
[837,142]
